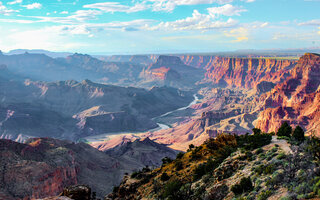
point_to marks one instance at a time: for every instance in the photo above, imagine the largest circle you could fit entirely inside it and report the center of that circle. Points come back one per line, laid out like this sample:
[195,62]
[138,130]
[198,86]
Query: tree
[298,134]
[284,130]
[256,131]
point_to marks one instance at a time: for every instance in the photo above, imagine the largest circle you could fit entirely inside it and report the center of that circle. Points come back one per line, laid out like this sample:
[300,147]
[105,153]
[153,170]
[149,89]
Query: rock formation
[295,100]
[42,167]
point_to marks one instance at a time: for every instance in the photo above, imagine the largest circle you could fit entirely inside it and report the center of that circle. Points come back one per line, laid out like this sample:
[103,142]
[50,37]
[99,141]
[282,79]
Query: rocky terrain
[233,95]
[70,109]
[42,167]
[171,71]
[231,167]
[258,100]
[295,100]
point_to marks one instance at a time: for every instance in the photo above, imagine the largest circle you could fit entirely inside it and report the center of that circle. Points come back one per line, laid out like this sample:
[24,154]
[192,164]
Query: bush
[164,177]
[281,156]
[264,195]
[265,169]
[256,131]
[171,189]
[205,168]
[191,146]
[251,142]
[136,174]
[245,185]
[178,165]
[166,160]
[180,155]
[284,130]
[258,151]
[298,134]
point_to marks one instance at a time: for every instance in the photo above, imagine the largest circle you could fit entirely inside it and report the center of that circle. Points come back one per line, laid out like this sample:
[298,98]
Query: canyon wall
[296,100]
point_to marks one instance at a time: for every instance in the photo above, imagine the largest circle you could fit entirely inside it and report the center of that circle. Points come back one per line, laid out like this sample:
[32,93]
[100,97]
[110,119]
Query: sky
[158,26]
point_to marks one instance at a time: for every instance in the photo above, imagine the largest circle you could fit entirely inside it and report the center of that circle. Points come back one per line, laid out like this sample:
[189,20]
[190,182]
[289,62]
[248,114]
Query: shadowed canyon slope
[42,167]
[70,109]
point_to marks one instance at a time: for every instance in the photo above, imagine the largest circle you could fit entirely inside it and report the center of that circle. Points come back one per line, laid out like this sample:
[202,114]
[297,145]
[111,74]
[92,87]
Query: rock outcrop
[42,167]
[171,71]
[247,72]
[145,152]
[296,100]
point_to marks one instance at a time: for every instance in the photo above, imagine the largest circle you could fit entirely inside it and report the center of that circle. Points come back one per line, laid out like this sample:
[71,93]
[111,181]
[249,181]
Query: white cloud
[79,16]
[227,10]
[314,22]
[33,6]
[44,38]
[264,24]
[198,21]
[117,7]
[169,5]
[14,2]
[5,11]
[155,5]
[249,1]
[319,31]
[240,34]
[20,21]
[64,12]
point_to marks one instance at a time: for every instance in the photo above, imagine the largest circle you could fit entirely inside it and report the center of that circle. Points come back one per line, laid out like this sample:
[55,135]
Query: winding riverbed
[107,136]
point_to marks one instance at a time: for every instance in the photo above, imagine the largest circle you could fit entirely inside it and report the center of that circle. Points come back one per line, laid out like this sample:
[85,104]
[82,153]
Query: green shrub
[284,130]
[206,168]
[264,195]
[283,138]
[164,177]
[136,175]
[171,189]
[180,155]
[298,134]
[281,156]
[256,131]
[265,169]
[178,165]
[251,142]
[166,160]
[244,186]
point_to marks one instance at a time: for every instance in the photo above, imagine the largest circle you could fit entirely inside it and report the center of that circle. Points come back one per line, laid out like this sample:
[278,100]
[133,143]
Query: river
[107,136]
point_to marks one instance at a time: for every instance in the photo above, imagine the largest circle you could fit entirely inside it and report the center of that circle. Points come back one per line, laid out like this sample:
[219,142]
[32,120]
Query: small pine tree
[256,131]
[284,130]
[298,134]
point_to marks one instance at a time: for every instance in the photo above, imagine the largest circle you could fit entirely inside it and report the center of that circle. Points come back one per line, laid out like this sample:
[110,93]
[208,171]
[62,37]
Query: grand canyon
[128,125]
[159,100]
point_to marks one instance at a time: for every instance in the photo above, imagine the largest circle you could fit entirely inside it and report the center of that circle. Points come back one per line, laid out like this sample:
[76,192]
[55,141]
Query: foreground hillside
[42,167]
[255,166]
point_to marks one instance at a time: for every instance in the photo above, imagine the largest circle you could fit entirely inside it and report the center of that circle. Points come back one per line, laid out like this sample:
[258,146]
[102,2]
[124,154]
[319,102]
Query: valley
[145,108]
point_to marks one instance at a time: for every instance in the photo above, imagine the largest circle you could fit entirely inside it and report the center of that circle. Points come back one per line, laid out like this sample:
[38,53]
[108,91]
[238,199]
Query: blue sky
[158,26]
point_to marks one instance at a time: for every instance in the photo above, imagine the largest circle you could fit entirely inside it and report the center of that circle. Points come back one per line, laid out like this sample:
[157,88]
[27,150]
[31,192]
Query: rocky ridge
[42,167]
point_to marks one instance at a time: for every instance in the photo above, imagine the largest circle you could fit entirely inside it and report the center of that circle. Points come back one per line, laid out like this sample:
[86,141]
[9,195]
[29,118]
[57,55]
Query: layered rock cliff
[296,100]
[247,72]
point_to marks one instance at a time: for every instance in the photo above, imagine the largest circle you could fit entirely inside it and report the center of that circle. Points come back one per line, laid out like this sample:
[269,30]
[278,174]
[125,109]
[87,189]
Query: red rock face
[43,167]
[246,72]
[296,100]
[26,177]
